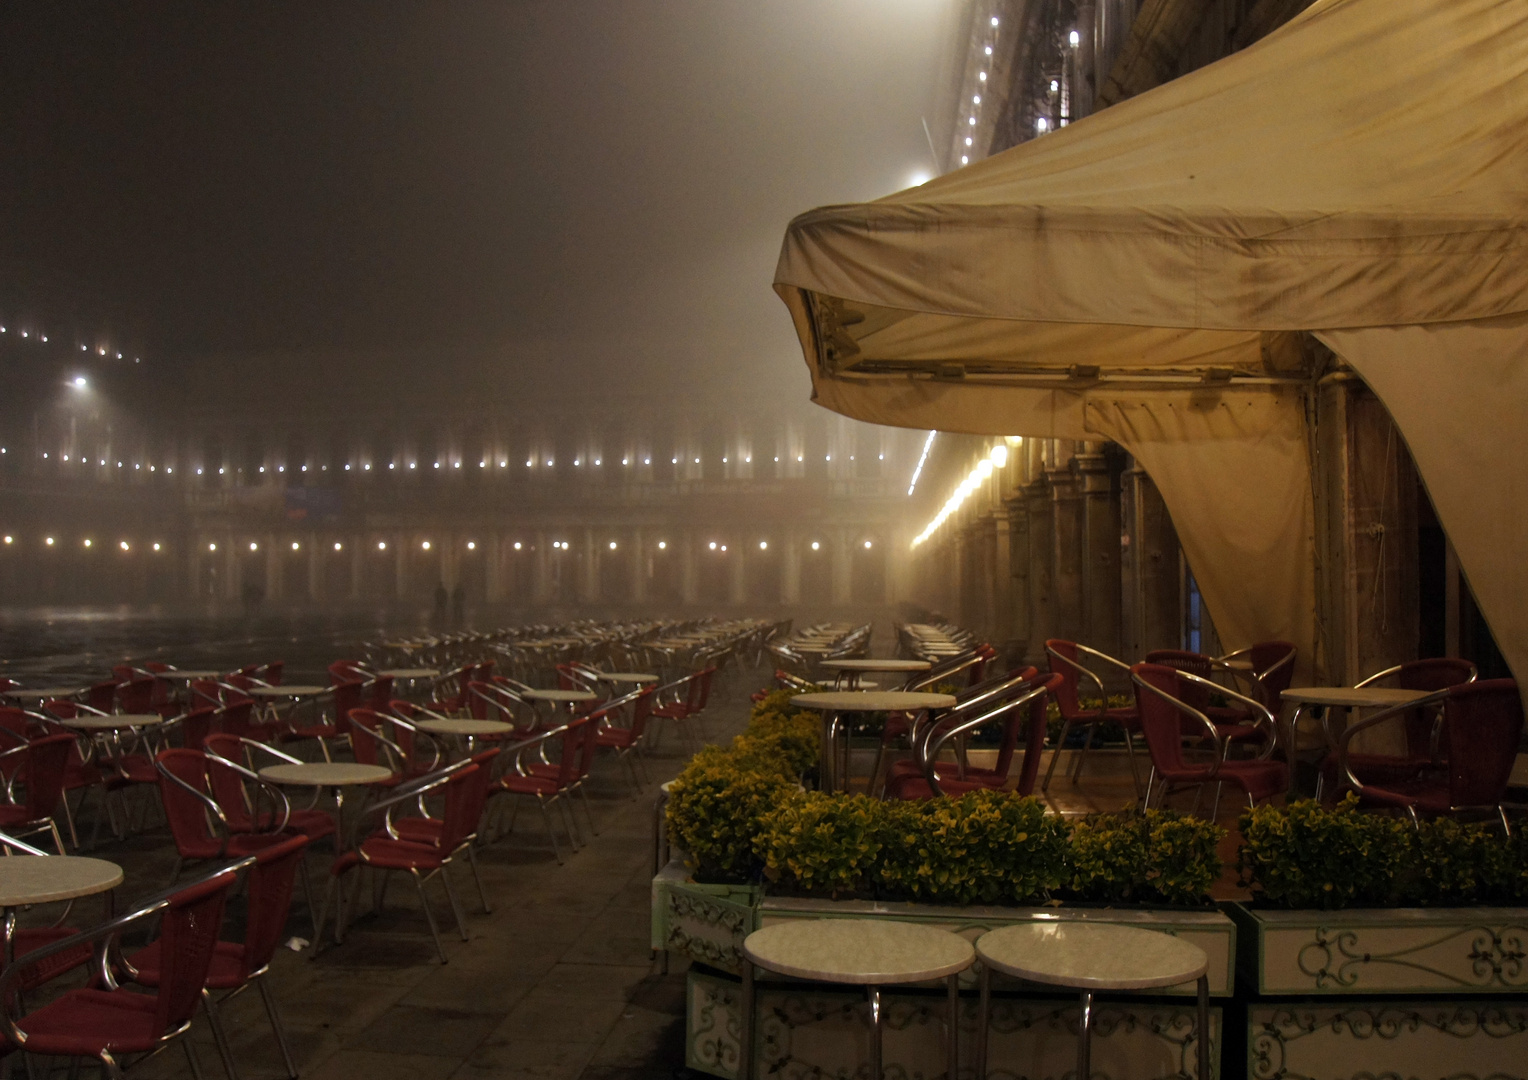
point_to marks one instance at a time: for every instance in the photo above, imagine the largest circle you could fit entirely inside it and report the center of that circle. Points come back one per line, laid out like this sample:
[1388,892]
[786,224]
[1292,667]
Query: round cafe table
[1339,697]
[188,674]
[111,721]
[470,730]
[638,678]
[407,673]
[849,670]
[833,703]
[863,952]
[1090,957]
[38,879]
[43,693]
[334,775]
[294,691]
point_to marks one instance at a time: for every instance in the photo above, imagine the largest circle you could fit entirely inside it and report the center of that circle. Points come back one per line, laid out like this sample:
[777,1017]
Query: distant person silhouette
[459,605]
[441,600]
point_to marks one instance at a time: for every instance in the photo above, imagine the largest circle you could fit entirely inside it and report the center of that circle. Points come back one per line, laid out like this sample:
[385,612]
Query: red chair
[271,673]
[344,697]
[370,744]
[1422,727]
[191,812]
[236,966]
[380,692]
[102,697]
[551,786]
[464,798]
[110,1024]
[1162,713]
[44,762]
[136,694]
[682,701]
[348,671]
[82,773]
[1066,658]
[1482,730]
[431,830]
[239,792]
[1021,706]
[625,739]
[1235,724]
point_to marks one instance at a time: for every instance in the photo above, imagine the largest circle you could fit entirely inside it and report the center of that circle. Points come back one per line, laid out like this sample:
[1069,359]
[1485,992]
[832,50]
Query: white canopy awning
[1361,173]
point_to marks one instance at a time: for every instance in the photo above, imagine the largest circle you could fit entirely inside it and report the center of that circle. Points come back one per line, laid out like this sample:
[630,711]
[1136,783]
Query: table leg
[825,754]
[875,1032]
[745,1025]
[1085,1037]
[954,1048]
[983,1018]
[8,929]
[1204,1027]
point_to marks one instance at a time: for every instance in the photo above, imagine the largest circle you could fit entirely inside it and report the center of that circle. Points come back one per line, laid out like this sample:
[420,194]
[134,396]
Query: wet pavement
[556,984]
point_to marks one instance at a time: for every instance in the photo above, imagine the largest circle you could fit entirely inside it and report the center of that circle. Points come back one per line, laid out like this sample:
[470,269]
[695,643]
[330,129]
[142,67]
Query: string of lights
[32,335]
[995,459]
[988,44]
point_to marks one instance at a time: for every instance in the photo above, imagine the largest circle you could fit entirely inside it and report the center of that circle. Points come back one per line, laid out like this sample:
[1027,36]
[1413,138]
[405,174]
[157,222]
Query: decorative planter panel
[1385,951]
[1462,1039]
[1211,930]
[707,923]
[807,1031]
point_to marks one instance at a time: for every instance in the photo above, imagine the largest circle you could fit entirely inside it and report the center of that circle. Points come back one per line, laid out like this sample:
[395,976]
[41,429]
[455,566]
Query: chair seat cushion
[1429,798]
[528,785]
[392,854]
[1259,779]
[82,1023]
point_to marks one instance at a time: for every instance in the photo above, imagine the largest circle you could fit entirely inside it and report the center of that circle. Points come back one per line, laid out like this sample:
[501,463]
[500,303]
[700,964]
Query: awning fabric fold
[1141,275]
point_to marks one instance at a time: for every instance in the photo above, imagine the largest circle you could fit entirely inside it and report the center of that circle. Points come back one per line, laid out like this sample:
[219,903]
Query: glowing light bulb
[338,546]
[763,545]
[124,546]
[517,545]
[296,546]
[425,545]
[471,545]
[662,544]
[815,545]
[612,545]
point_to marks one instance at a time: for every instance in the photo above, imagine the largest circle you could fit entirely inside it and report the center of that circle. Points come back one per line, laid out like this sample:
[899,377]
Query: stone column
[541,578]
[689,591]
[275,565]
[1002,577]
[790,570]
[738,593]
[1042,617]
[493,568]
[1151,588]
[315,569]
[400,568]
[1085,87]
[638,567]
[233,580]
[842,569]
[591,567]
[1066,560]
[1100,560]
[357,565]
[1019,612]
[194,567]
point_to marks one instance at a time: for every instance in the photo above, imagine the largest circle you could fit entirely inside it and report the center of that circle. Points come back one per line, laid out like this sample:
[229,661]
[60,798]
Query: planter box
[810,1030]
[1431,951]
[706,923]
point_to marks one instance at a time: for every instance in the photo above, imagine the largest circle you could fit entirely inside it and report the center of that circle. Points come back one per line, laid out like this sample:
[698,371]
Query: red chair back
[272,672]
[196,726]
[1482,728]
[102,696]
[346,671]
[237,718]
[270,898]
[136,695]
[466,793]
[1066,694]
[1430,674]
[46,760]
[571,755]
[187,938]
[1161,722]
[1189,693]
[381,692]
[186,814]
[365,724]
[347,695]
[1034,739]
[1264,656]
[224,784]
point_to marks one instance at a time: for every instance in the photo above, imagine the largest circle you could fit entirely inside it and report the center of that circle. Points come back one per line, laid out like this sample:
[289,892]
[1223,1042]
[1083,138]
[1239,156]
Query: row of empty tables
[832,705]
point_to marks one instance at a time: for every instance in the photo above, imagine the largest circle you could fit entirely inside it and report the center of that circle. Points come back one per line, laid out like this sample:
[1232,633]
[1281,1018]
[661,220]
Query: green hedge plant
[1310,856]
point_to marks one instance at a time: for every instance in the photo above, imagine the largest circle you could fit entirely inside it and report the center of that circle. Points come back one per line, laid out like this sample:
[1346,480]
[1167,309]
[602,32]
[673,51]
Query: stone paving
[557,983]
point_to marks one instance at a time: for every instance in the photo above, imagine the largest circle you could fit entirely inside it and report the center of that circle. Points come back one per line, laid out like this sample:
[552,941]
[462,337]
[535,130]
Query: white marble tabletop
[628,676]
[111,721]
[42,693]
[860,951]
[410,673]
[872,701]
[566,697]
[35,879]
[471,728]
[1353,697]
[1091,956]
[324,774]
[876,665]
[292,691]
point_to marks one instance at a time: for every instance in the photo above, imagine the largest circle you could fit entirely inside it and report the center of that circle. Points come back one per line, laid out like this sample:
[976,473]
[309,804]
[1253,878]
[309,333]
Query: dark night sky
[558,189]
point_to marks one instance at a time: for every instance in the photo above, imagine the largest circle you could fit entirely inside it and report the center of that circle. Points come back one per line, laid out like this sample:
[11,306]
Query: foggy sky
[580,192]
